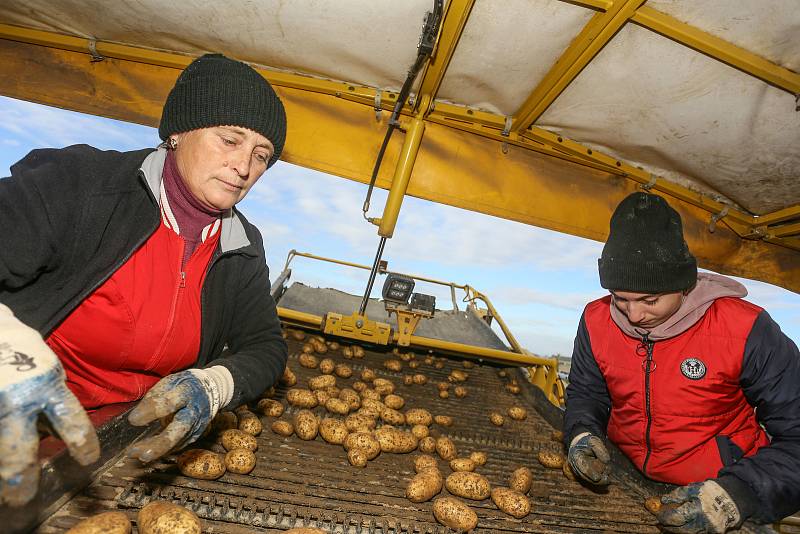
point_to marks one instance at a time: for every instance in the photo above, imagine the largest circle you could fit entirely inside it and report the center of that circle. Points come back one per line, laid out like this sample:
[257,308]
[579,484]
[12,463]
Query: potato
[347,352]
[308,348]
[444,394]
[308,361]
[557,436]
[443,386]
[428,360]
[240,461]
[467,364]
[360,386]
[393,365]
[333,430]
[438,365]
[224,421]
[521,480]
[383,386]
[552,460]
[394,402]
[413,364]
[282,428]
[462,464]
[517,413]
[478,457]
[457,375]
[321,382]
[322,396]
[366,442]
[319,346]
[419,416]
[653,504]
[370,393]
[297,335]
[357,457]
[270,407]
[105,523]
[337,406]
[454,513]
[468,485]
[502,373]
[443,420]
[358,352]
[424,486]
[396,441]
[359,421]
[302,398]
[343,370]
[368,375]
[333,392]
[511,502]
[568,473]
[306,425]
[327,366]
[202,464]
[497,419]
[446,449]
[420,431]
[236,439]
[352,398]
[425,461]
[372,407]
[513,388]
[393,417]
[427,445]
[250,424]
[408,380]
[288,379]
[419,379]
[167,518]
[333,345]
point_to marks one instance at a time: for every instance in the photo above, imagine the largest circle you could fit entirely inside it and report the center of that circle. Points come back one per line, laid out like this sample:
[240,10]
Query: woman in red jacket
[696,386]
[123,276]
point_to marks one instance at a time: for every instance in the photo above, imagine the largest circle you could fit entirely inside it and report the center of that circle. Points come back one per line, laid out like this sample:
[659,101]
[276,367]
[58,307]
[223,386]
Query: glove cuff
[218,384]
[577,438]
[740,493]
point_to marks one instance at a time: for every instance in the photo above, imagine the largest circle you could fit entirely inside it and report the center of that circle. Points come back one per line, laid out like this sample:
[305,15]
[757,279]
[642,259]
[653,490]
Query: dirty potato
[393,365]
[249,423]
[236,439]
[288,379]
[511,502]
[319,346]
[333,430]
[370,393]
[521,480]
[383,386]
[478,457]
[462,464]
[420,431]
[517,413]
[468,485]
[393,417]
[454,513]
[419,416]
[347,352]
[438,365]
[428,444]
[337,406]
[308,361]
[408,380]
[446,449]
[308,348]
[202,464]
[443,386]
[467,364]
[357,457]
[327,366]
[360,386]
[513,388]
[167,518]
[396,441]
[394,402]
[460,392]
[550,459]
[557,436]
[321,382]
[240,461]
[372,407]
[270,407]
[368,375]
[653,504]
[424,485]
[363,441]
[297,335]
[444,394]
[343,370]
[457,375]
[105,523]
[282,428]
[568,473]
[413,364]
[425,461]
[497,419]
[443,420]
[358,352]
[359,421]
[352,398]
[306,425]
[302,398]
[419,379]
[322,396]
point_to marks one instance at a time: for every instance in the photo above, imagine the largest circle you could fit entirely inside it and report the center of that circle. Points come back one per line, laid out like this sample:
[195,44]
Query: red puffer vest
[677,408]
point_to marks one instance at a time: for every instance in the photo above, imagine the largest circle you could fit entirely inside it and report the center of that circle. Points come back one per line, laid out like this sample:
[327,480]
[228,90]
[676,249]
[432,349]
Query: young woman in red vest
[125,275]
[695,385]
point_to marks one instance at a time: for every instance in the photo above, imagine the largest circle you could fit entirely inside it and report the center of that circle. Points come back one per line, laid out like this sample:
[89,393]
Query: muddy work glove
[192,398]
[32,383]
[699,508]
[589,459]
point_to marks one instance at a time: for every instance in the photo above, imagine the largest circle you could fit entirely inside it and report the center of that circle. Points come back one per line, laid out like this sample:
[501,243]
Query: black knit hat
[645,251]
[217,91]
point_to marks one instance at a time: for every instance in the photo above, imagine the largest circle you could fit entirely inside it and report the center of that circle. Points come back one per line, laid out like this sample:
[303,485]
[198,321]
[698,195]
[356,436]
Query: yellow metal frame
[407,322]
[356,326]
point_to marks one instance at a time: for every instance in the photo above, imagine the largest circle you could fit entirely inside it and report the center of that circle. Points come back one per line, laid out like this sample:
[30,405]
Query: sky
[537,279]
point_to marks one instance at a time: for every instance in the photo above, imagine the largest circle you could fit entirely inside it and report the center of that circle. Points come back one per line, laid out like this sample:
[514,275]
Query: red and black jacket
[682,409]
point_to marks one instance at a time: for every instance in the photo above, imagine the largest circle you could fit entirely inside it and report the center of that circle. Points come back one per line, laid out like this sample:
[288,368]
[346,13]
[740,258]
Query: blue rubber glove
[589,459]
[32,383]
[702,507]
[192,397]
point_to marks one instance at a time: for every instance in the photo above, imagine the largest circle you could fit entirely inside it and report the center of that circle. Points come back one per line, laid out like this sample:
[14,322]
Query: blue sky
[539,280]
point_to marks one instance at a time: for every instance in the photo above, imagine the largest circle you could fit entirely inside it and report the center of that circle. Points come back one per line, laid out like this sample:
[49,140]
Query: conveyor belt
[310,483]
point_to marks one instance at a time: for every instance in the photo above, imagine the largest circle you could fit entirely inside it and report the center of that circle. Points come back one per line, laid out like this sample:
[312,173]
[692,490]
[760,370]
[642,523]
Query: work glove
[192,398]
[589,459]
[32,382]
[701,507]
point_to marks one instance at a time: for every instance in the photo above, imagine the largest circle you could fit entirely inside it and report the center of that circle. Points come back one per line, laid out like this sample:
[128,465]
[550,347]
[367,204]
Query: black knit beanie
[645,251]
[217,91]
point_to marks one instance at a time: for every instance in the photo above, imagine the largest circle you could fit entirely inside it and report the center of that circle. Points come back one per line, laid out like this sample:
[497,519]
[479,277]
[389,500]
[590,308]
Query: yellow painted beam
[341,137]
[784,230]
[455,19]
[597,5]
[718,49]
[786,214]
[592,38]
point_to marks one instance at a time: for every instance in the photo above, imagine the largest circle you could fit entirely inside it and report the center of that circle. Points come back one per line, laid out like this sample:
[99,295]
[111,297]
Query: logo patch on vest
[693,369]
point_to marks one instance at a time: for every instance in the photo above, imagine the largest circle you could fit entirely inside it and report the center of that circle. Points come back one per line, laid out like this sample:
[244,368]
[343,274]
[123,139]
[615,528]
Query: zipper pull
[183,279]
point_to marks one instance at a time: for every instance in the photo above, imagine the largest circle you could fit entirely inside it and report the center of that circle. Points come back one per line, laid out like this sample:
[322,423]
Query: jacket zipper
[176,298]
[647,370]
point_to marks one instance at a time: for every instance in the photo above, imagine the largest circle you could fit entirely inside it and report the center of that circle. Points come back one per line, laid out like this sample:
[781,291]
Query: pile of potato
[156,517]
